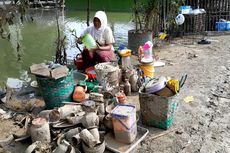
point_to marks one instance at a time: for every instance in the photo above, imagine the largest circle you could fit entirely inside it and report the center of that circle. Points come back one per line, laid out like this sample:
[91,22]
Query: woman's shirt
[104,38]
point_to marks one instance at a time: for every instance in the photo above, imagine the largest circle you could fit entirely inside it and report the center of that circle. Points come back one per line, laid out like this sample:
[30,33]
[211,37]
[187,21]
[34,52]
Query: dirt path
[204,124]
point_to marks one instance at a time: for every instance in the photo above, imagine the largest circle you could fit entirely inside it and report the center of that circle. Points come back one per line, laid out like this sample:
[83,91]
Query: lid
[123,111]
[125,52]
[147,60]
[155,85]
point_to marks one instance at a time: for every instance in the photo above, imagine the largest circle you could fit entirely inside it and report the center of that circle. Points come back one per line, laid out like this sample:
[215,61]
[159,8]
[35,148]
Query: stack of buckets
[146,60]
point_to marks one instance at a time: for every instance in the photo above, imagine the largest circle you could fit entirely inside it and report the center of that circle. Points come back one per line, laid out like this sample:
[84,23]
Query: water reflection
[38,33]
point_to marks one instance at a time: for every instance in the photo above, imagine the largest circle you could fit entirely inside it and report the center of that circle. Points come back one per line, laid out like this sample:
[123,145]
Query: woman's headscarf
[96,33]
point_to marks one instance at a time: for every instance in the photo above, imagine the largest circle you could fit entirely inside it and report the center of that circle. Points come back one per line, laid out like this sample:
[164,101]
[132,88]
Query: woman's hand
[78,40]
[104,48]
[95,49]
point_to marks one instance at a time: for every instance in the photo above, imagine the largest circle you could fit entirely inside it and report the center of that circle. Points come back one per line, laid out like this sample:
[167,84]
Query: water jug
[147,56]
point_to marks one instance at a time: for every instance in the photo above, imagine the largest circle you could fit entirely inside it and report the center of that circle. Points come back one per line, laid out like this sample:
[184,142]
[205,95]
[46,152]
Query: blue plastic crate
[221,26]
[228,25]
[185,9]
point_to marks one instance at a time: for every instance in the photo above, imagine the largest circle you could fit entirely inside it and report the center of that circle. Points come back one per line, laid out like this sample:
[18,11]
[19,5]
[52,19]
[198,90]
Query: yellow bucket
[148,70]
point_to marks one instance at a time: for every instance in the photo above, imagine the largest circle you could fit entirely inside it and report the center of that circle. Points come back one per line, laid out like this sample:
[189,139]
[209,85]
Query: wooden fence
[215,10]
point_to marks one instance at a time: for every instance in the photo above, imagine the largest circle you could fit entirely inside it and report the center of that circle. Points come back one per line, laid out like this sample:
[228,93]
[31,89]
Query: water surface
[37,38]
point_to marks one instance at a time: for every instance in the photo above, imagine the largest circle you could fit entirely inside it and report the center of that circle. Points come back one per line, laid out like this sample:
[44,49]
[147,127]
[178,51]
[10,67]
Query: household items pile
[84,110]
[158,101]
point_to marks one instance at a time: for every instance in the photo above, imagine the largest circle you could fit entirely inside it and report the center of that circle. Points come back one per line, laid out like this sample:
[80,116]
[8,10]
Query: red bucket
[78,61]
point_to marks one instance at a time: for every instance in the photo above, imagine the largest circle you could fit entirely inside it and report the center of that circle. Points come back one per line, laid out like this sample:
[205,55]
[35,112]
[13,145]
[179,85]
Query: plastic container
[78,61]
[185,9]
[155,85]
[227,25]
[125,52]
[89,41]
[222,26]
[126,62]
[148,69]
[124,123]
[78,76]
[147,53]
[91,73]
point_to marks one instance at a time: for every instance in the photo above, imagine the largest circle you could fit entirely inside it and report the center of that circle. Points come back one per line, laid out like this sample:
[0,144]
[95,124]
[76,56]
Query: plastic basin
[78,76]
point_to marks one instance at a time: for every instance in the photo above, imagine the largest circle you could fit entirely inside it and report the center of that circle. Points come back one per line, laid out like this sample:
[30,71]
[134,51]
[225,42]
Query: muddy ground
[202,125]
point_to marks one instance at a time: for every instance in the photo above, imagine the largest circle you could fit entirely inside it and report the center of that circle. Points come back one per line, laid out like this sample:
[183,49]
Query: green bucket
[89,41]
[57,91]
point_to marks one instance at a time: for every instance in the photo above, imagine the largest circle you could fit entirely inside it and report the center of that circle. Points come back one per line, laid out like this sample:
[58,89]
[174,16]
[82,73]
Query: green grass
[112,16]
[106,5]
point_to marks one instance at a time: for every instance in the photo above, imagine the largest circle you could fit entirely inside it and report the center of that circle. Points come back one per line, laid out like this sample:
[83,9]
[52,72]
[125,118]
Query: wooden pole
[88,12]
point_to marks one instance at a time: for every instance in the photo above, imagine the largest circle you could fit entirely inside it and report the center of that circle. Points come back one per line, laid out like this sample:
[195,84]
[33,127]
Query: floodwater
[38,33]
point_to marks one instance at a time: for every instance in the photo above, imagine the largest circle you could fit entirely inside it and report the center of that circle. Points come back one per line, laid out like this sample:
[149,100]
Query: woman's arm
[107,47]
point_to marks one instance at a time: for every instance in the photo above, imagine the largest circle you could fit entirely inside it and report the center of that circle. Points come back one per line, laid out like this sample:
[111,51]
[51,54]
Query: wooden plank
[161,134]
[59,72]
[40,69]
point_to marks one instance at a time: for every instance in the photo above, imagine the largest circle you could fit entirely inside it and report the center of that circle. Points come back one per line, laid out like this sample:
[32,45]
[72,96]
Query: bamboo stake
[161,134]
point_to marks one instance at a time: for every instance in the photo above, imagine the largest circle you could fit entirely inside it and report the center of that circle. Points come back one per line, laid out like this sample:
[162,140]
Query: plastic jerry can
[124,123]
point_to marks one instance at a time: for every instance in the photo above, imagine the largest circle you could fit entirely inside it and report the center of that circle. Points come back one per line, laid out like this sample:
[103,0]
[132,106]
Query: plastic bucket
[57,91]
[89,41]
[124,123]
[78,76]
[148,69]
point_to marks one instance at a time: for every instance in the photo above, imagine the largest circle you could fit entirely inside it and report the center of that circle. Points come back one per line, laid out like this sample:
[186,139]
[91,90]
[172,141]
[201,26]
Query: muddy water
[37,37]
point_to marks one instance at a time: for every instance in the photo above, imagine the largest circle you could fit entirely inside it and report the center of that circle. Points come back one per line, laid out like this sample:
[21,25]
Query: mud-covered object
[99,148]
[107,75]
[90,120]
[88,138]
[157,111]
[38,146]
[40,130]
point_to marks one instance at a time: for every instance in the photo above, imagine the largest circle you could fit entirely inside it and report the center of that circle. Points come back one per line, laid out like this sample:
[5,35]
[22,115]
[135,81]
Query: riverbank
[203,123]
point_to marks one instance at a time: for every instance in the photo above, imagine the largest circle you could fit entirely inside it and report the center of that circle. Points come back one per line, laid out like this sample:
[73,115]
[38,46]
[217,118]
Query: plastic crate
[228,25]
[222,26]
